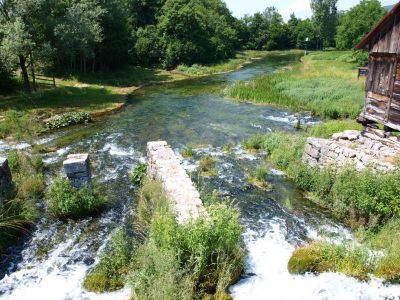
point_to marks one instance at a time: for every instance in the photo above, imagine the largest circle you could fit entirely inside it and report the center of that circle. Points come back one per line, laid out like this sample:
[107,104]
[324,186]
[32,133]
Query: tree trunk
[93,64]
[25,76]
[33,71]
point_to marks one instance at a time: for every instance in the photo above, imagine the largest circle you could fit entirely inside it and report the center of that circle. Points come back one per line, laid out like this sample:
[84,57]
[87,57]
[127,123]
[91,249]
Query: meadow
[323,83]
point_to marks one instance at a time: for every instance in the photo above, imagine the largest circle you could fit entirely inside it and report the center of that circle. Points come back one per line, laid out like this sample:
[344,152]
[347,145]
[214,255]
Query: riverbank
[22,116]
[365,201]
[323,83]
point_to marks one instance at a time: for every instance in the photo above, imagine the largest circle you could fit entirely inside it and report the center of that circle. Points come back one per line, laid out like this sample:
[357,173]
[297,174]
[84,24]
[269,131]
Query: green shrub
[68,119]
[20,124]
[208,166]
[64,201]
[138,175]
[111,271]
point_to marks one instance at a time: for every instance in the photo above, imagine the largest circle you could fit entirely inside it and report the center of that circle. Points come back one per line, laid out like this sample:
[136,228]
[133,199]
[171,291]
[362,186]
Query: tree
[80,31]
[325,16]
[357,22]
[292,25]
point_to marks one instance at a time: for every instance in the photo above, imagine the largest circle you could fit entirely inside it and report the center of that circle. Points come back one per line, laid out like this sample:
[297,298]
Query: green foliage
[64,201]
[258,178]
[320,257]
[208,166]
[111,271]
[189,260]
[325,16]
[20,125]
[254,143]
[357,22]
[19,210]
[68,119]
[361,198]
[188,152]
[324,84]
[138,175]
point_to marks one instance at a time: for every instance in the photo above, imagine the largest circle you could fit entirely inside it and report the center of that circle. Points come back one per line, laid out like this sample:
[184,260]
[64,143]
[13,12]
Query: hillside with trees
[64,37]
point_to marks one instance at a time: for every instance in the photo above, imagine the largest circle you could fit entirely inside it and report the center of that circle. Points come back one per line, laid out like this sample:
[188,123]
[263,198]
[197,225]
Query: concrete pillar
[77,169]
[5,179]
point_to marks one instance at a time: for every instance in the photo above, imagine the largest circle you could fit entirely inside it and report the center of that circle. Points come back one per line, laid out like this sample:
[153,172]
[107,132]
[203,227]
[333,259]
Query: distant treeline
[65,36]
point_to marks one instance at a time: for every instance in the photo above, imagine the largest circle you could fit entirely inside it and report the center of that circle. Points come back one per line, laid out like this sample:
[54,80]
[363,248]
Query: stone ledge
[163,165]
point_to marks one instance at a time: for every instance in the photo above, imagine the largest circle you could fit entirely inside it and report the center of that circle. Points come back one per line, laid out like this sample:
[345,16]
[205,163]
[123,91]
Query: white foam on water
[267,259]
[115,150]
[292,119]
[276,172]
[54,278]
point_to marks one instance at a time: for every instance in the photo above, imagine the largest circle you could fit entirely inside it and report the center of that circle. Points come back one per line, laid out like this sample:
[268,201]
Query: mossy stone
[303,260]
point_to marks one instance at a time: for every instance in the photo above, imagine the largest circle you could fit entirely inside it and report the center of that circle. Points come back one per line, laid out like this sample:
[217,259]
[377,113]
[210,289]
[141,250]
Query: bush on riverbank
[19,211]
[325,84]
[64,201]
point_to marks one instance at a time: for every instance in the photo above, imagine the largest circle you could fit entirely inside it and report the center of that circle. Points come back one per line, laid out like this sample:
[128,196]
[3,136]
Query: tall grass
[324,84]
[19,210]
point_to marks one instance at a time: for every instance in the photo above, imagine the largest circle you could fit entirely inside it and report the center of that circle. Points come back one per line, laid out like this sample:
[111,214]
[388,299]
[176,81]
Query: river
[53,260]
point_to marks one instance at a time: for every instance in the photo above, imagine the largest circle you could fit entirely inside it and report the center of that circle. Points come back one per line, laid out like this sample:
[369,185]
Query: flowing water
[52,262]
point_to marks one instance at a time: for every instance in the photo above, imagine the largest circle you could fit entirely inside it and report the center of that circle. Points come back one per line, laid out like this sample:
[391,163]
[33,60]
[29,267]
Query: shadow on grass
[125,77]
[85,98]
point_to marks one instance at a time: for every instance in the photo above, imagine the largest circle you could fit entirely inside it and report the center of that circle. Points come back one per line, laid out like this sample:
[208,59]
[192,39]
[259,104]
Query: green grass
[188,152]
[138,175]
[258,178]
[189,261]
[19,211]
[111,271]
[320,257]
[240,59]
[22,115]
[208,166]
[167,260]
[325,84]
[64,201]
[328,128]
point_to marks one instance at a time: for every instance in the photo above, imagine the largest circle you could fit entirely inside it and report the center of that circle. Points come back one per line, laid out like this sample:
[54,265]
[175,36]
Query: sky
[301,8]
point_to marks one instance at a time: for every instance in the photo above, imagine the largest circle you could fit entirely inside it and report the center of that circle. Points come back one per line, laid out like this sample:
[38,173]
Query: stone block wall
[163,165]
[361,149]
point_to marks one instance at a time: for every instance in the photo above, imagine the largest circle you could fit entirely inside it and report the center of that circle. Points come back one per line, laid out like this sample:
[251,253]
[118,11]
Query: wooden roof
[365,42]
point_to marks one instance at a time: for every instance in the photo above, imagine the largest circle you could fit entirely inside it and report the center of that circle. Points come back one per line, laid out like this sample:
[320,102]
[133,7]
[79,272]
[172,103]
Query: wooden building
[382,103]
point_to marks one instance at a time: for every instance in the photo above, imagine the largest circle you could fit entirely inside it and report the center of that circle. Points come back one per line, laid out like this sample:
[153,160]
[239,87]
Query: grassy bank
[241,59]
[171,261]
[324,83]
[367,201]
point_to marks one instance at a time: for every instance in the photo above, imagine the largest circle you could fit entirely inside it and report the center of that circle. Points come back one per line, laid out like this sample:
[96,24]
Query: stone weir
[362,149]
[163,165]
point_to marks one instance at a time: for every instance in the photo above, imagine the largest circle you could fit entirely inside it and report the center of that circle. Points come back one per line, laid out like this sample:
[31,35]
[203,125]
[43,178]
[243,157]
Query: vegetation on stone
[64,201]
[188,152]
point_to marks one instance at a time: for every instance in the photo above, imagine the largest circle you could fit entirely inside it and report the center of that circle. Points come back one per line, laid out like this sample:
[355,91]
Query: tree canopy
[89,35]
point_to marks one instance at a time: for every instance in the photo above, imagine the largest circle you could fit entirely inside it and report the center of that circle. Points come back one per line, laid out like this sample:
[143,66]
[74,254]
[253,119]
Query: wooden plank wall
[388,39]
[394,112]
